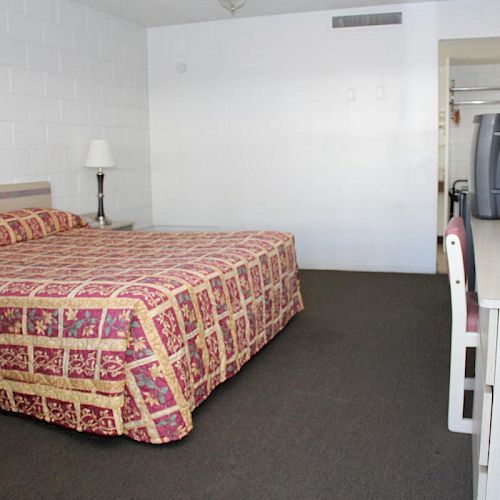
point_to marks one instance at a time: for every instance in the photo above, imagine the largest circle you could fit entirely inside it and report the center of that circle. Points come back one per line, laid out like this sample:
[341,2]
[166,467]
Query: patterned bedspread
[127,332]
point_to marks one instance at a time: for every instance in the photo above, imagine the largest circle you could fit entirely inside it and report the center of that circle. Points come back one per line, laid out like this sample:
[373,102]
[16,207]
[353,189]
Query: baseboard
[372,269]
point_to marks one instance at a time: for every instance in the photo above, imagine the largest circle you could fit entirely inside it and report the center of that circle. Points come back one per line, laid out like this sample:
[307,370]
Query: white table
[486,411]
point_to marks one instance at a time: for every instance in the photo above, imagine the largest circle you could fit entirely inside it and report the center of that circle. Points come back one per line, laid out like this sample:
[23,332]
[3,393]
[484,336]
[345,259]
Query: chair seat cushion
[472,312]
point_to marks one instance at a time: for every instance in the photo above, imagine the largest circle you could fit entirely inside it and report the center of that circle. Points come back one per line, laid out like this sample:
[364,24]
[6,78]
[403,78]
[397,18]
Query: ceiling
[167,12]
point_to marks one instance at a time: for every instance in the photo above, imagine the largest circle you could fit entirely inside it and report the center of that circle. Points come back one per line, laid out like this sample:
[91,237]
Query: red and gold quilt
[115,332]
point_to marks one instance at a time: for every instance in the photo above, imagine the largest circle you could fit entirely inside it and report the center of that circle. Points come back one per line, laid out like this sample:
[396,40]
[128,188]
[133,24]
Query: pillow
[33,223]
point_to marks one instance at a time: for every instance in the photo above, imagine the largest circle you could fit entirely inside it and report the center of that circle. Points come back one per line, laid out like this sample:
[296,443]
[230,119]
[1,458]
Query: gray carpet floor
[349,402]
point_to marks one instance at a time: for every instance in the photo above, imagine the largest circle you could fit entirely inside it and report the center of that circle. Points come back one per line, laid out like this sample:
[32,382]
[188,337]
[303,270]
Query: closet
[469,84]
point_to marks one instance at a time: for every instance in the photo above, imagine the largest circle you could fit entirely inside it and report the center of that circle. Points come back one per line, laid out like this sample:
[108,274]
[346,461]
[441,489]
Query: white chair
[464,329]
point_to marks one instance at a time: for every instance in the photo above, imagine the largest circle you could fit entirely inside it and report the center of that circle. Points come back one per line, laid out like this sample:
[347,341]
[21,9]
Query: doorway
[469,84]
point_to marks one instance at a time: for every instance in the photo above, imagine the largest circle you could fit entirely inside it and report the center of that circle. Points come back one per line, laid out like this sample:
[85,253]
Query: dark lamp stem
[101,218]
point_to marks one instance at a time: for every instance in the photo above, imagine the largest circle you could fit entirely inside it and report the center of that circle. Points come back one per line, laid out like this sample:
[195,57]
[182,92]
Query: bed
[128,332]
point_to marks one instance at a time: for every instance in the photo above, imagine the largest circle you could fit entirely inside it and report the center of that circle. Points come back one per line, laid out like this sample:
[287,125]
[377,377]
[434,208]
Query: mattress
[113,332]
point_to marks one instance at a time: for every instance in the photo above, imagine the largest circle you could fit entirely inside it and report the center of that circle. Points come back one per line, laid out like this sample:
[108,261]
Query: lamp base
[103,220]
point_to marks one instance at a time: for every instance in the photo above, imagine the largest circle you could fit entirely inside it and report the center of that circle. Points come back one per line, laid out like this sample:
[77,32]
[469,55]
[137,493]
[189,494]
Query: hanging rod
[454,104]
[470,89]
[465,103]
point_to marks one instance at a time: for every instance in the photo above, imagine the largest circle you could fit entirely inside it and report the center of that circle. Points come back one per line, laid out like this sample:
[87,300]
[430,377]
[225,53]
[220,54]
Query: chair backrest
[456,227]
[455,239]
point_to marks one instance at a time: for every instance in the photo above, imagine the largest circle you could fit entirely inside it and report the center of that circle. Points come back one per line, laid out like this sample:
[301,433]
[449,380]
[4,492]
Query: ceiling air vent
[367,20]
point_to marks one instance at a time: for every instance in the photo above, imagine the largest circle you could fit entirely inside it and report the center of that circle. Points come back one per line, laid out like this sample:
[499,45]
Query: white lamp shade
[100,155]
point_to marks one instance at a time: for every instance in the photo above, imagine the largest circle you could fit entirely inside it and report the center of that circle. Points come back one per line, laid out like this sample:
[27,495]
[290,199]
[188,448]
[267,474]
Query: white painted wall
[69,74]
[260,131]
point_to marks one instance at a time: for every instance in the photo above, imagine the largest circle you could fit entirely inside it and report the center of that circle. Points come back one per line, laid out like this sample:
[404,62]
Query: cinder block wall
[69,74]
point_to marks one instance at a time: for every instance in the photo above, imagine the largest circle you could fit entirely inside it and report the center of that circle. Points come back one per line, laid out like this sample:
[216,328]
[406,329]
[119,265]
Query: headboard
[25,195]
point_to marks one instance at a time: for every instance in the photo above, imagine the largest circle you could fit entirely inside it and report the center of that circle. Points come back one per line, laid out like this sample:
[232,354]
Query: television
[484,174]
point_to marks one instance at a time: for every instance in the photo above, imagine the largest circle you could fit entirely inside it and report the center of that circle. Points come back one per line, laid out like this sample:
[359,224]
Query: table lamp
[100,156]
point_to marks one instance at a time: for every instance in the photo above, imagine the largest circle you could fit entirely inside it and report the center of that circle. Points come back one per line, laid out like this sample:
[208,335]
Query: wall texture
[282,122]
[69,74]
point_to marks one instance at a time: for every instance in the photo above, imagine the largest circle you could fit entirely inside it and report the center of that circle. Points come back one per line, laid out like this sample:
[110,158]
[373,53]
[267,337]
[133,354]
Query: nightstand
[116,225]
